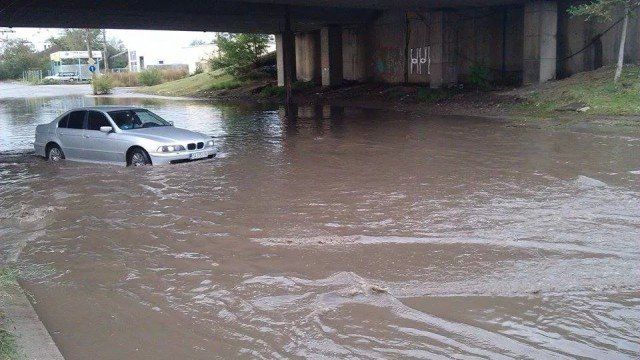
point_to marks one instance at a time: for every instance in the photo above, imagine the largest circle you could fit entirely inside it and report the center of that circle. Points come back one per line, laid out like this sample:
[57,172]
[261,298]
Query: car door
[71,136]
[101,146]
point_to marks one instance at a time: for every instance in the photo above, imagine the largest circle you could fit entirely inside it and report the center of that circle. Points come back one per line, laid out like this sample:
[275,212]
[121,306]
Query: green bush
[49,82]
[479,76]
[272,91]
[102,84]
[150,77]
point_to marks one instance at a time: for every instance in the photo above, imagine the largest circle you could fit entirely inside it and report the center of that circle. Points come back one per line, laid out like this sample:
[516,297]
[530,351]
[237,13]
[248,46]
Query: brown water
[342,233]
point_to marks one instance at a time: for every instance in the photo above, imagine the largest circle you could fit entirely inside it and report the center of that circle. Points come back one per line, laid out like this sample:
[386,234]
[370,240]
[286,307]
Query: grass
[224,84]
[194,85]
[272,91]
[429,95]
[594,89]
[8,278]
[8,346]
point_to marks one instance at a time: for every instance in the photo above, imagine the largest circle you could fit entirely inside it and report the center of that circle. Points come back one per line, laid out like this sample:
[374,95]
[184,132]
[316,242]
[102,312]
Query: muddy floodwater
[338,233]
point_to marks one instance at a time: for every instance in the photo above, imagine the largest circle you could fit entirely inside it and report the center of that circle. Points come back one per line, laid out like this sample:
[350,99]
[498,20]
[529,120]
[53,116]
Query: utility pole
[105,56]
[93,74]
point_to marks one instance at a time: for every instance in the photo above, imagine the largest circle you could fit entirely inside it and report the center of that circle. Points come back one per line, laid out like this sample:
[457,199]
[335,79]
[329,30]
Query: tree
[118,56]
[17,56]
[239,51]
[603,10]
[76,39]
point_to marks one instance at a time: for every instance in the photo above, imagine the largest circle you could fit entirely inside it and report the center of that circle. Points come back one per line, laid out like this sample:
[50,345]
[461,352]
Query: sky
[140,40]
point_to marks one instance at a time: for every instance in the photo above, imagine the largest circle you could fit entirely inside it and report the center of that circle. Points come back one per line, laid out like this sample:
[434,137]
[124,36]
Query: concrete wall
[410,46]
[354,55]
[491,38]
[386,44]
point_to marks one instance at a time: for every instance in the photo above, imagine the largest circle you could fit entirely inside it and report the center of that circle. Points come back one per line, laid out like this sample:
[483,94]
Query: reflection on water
[336,233]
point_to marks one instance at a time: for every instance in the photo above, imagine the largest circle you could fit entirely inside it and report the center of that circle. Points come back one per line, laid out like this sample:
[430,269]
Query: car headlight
[210,143]
[170,148]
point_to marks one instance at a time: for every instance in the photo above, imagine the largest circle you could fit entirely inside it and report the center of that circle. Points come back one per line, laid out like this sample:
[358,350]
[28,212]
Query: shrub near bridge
[102,84]
[150,77]
[125,79]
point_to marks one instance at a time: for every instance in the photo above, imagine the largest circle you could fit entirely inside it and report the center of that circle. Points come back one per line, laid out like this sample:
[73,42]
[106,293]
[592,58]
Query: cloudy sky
[141,40]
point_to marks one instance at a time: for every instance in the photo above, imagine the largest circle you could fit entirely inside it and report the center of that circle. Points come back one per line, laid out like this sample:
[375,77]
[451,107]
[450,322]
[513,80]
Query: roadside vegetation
[242,65]
[594,92]
[193,85]
[18,56]
[102,85]
[8,346]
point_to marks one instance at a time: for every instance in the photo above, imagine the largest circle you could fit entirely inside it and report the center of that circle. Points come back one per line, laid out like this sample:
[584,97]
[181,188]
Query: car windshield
[136,119]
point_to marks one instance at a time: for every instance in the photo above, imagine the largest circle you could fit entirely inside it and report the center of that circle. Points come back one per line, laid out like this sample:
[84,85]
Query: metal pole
[93,74]
[105,56]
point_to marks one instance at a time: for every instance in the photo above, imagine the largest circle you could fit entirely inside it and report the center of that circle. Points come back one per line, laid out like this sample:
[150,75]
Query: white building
[75,61]
[189,57]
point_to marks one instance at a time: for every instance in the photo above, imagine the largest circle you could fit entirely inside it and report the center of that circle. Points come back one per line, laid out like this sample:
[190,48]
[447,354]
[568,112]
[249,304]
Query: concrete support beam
[285,58]
[442,70]
[308,67]
[539,48]
[331,55]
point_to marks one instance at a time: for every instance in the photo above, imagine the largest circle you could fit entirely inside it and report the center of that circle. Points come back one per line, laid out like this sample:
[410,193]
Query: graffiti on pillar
[389,61]
[420,60]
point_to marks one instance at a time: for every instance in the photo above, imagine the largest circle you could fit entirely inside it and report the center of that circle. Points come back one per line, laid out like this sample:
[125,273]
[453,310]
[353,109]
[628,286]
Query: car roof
[106,108]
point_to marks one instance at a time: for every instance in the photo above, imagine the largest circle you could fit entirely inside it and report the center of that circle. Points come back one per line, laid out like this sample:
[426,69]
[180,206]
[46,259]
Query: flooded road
[342,233]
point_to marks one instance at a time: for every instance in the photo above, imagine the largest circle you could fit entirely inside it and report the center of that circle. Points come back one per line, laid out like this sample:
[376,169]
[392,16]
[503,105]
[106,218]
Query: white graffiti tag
[418,57]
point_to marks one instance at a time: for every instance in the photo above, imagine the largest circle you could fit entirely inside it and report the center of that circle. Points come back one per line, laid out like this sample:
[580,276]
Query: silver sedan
[119,135]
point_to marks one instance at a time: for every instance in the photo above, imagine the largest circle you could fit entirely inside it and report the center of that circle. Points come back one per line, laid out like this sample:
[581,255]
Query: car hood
[167,134]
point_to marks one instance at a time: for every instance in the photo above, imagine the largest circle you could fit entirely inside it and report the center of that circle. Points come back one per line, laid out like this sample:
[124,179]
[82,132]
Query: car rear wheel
[55,154]
[139,157]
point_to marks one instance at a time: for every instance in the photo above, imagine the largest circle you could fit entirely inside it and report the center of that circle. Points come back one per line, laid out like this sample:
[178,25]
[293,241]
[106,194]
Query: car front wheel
[55,153]
[139,157]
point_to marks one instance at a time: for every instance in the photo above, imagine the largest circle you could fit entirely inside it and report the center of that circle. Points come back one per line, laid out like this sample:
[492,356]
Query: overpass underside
[430,42]
[521,43]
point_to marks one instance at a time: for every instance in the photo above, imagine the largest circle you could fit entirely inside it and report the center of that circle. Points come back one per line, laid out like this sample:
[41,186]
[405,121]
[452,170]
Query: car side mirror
[106,129]
[171,123]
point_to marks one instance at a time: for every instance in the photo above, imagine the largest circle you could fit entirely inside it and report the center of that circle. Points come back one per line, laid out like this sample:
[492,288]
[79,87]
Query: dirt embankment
[586,97]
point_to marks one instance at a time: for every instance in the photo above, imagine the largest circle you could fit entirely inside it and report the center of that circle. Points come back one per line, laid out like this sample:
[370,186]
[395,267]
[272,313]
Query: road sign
[92,68]
[91,61]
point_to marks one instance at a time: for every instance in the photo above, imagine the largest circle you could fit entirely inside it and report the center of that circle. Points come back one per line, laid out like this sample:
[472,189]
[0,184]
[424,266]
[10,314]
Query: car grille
[191,146]
[200,145]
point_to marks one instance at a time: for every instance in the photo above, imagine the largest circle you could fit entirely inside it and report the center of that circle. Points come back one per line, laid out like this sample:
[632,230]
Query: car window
[62,123]
[96,119]
[76,120]
[136,119]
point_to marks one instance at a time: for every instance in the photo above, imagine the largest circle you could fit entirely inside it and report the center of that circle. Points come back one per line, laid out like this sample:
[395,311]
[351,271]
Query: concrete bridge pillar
[308,57]
[331,55]
[539,48]
[285,58]
[442,37]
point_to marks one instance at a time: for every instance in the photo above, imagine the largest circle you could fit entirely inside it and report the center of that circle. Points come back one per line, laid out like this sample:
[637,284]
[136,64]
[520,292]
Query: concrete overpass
[435,42]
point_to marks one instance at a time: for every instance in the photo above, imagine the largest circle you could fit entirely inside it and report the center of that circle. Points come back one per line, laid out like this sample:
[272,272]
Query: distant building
[74,61]
[189,58]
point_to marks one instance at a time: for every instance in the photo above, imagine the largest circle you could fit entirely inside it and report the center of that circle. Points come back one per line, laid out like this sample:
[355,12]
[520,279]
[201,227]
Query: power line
[596,38]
